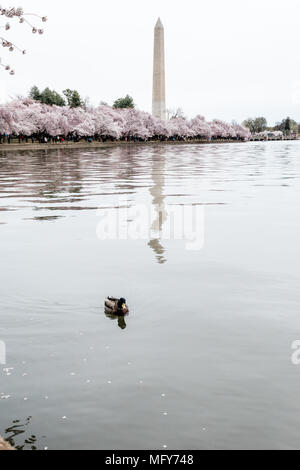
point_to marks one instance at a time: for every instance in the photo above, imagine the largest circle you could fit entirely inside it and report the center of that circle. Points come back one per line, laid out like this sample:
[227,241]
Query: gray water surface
[205,359]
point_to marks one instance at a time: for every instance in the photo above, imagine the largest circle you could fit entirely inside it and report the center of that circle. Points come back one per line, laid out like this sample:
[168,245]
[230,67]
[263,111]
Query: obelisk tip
[159,24]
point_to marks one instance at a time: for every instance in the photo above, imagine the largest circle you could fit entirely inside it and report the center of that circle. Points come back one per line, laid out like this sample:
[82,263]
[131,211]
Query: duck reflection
[158,202]
[120,319]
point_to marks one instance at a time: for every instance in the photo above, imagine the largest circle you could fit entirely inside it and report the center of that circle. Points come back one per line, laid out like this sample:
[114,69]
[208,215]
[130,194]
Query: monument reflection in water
[157,193]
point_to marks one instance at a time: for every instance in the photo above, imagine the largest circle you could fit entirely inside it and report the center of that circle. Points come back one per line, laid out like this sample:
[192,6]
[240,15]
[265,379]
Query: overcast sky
[224,59]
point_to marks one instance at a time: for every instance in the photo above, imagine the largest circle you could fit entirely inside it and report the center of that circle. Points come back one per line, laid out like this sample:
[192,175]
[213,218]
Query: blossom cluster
[28,117]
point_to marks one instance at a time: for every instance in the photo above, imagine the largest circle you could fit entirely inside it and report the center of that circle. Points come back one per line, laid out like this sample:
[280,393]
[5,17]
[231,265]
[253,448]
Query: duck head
[122,304]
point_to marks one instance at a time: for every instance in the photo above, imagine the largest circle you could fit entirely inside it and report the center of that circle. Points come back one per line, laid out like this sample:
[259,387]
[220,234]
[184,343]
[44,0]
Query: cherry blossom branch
[13,12]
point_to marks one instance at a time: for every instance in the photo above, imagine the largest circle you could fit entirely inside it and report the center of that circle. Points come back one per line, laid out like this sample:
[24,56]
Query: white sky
[227,59]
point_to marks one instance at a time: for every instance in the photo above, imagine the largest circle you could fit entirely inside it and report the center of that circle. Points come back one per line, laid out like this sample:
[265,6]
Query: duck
[116,306]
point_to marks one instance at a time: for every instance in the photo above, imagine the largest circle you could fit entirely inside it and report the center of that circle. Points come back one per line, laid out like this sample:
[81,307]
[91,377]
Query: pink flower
[19,11]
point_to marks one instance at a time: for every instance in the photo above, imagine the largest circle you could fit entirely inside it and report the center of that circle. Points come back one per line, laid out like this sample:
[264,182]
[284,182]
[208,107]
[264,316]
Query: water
[205,360]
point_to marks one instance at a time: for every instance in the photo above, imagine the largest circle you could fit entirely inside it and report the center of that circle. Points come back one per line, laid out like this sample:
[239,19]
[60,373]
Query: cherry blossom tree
[242,132]
[106,122]
[12,13]
[201,128]
[179,127]
[134,125]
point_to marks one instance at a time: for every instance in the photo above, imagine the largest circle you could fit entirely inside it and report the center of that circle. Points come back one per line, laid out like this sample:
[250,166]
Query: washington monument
[159,82]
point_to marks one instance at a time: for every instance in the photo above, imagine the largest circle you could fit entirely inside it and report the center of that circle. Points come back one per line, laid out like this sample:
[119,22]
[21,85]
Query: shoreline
[103,145]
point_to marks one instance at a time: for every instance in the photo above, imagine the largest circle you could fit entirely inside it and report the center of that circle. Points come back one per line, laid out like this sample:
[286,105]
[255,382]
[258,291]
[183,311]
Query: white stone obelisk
[159,80]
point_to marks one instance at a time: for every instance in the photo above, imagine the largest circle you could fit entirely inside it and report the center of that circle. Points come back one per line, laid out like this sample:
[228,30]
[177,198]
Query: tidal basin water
[205,359]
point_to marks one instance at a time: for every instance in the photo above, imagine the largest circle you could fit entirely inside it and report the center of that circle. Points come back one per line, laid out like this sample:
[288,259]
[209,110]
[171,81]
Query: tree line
[72,98]
[259,124]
